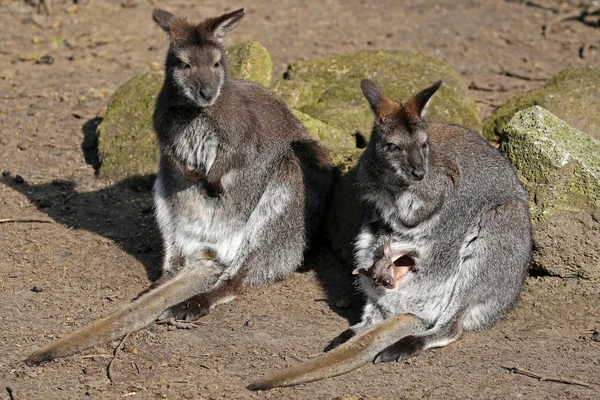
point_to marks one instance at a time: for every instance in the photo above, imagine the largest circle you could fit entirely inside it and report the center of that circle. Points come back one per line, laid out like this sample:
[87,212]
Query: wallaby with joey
[443,247]
[240,191]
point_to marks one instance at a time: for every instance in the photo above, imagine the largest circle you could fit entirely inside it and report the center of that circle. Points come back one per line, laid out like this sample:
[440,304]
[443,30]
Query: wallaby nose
[207,93]
[418,173]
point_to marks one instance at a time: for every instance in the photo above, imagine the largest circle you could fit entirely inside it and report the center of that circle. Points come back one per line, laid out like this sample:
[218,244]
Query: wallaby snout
[417,161]
[207,93]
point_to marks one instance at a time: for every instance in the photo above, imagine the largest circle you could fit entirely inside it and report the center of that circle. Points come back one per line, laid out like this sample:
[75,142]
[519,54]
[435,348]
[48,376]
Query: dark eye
[424,146]
[392,147]
[217,65]
[183,65]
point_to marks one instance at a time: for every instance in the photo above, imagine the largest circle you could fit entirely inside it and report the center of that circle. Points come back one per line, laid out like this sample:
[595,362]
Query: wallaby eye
[392,147]
[217,65]
[424,146]
[183,65]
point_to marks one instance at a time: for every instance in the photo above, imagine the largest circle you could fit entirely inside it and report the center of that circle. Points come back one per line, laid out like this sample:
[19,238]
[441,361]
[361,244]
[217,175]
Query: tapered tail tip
[37,358]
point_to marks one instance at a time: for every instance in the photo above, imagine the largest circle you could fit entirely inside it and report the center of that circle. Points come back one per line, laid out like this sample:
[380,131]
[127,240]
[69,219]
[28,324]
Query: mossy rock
[250,61]
[330,137]
[329,89]
[127,144]
[557,164]
[573,95]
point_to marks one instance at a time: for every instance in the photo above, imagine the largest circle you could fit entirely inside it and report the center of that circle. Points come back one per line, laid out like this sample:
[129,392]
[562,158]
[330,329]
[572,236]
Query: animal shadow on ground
[123,213]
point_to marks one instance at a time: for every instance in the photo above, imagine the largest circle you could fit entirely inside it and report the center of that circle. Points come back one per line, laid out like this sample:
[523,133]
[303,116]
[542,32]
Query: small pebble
[19,179]
[249,323]
[48,60]
[22,146]
[36,289]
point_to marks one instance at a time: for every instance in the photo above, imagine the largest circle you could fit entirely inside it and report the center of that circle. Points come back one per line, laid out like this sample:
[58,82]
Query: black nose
[418,173]
[207,93]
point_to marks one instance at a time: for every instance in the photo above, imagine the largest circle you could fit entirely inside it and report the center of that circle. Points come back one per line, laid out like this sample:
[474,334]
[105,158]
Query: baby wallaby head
[400,135]
[195,62]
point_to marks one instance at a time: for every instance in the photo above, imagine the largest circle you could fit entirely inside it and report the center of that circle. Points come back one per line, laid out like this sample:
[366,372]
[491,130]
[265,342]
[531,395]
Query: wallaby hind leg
[412,346]
[200,305]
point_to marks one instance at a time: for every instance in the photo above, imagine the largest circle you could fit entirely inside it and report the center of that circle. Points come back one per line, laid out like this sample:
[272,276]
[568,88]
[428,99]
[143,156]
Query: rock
[250,61]
[329,89]
[558,165]
[127,144]
[327,135]
[560,168]
[573,95]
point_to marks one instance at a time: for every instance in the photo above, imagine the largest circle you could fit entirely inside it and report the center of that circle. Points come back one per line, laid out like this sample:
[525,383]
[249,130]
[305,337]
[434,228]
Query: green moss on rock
[250,61]
[327,135]
[127,143]
[329,89]
[573,95]
[558,165]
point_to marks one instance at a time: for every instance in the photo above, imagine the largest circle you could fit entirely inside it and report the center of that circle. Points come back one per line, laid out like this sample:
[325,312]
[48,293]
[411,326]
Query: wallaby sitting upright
[441,195]
[240,190]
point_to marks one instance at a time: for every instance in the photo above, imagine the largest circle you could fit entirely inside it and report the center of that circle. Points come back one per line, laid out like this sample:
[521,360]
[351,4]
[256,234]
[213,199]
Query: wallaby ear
[387,249]
[383,108]
[361,271]
[220,26]
[417,103]
[163,18]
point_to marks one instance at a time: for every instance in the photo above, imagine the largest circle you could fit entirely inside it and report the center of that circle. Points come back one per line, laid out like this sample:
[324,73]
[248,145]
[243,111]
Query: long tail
[353,354]
[137,315]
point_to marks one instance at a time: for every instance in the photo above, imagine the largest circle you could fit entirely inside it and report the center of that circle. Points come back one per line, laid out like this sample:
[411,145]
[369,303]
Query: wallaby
[240,190]
[441,195]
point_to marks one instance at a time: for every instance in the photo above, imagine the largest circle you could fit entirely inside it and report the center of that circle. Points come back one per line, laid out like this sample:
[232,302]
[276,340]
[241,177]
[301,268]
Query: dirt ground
[102,246]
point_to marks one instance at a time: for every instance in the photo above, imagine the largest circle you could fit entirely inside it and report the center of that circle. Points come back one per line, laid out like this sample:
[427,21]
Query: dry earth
[102,246]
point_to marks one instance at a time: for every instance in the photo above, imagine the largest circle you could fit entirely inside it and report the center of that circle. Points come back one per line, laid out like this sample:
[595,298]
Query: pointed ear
[387,249]
[163,18]
[220,26]
[361,271]
[383,108]
[417,103]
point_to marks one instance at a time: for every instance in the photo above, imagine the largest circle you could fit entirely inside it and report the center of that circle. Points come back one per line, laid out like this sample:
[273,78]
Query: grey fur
[238,175]
[467,217]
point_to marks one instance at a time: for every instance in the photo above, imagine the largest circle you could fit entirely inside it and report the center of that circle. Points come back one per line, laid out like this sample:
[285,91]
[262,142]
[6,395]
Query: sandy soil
[102,246]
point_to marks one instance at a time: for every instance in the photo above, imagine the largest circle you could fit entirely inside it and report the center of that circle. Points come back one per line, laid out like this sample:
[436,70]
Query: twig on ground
[578,14]
[518,75]
[11,394]
[16,220]
[559,379]
[116,352]
[96,355]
